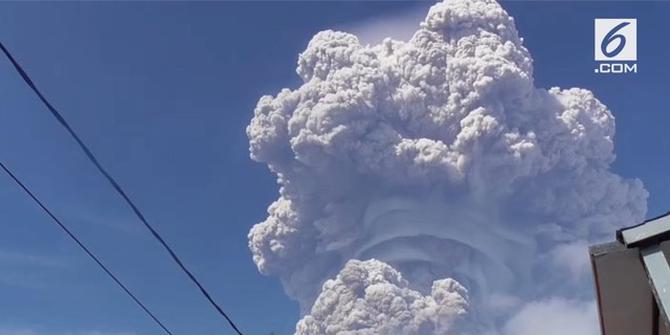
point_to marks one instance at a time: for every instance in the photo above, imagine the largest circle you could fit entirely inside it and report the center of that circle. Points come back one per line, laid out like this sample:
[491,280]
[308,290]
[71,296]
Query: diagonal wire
[86,250]
[117,187]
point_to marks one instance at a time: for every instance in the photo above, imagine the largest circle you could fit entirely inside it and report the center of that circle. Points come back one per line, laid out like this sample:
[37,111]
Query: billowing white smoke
[373,298]
[439,157]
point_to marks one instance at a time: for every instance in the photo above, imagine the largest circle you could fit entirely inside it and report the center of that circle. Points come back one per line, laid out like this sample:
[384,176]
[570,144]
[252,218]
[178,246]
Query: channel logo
[615,45]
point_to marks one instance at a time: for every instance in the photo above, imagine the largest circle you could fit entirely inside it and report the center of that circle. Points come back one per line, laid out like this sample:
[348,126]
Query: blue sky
[162,93]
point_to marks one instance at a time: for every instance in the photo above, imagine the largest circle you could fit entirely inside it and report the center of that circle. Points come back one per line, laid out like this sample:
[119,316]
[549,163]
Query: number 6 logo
[615,39]
[610,37]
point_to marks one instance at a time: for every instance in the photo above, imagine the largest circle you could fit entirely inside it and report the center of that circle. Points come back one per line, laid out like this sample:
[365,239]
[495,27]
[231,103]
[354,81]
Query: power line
[86,250]
[117,187]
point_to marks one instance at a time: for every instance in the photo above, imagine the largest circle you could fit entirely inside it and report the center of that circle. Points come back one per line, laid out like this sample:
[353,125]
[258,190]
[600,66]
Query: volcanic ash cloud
[438,158]
[373,298]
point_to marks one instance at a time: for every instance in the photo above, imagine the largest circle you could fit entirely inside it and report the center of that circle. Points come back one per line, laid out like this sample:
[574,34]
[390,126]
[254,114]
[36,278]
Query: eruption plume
[428,187]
